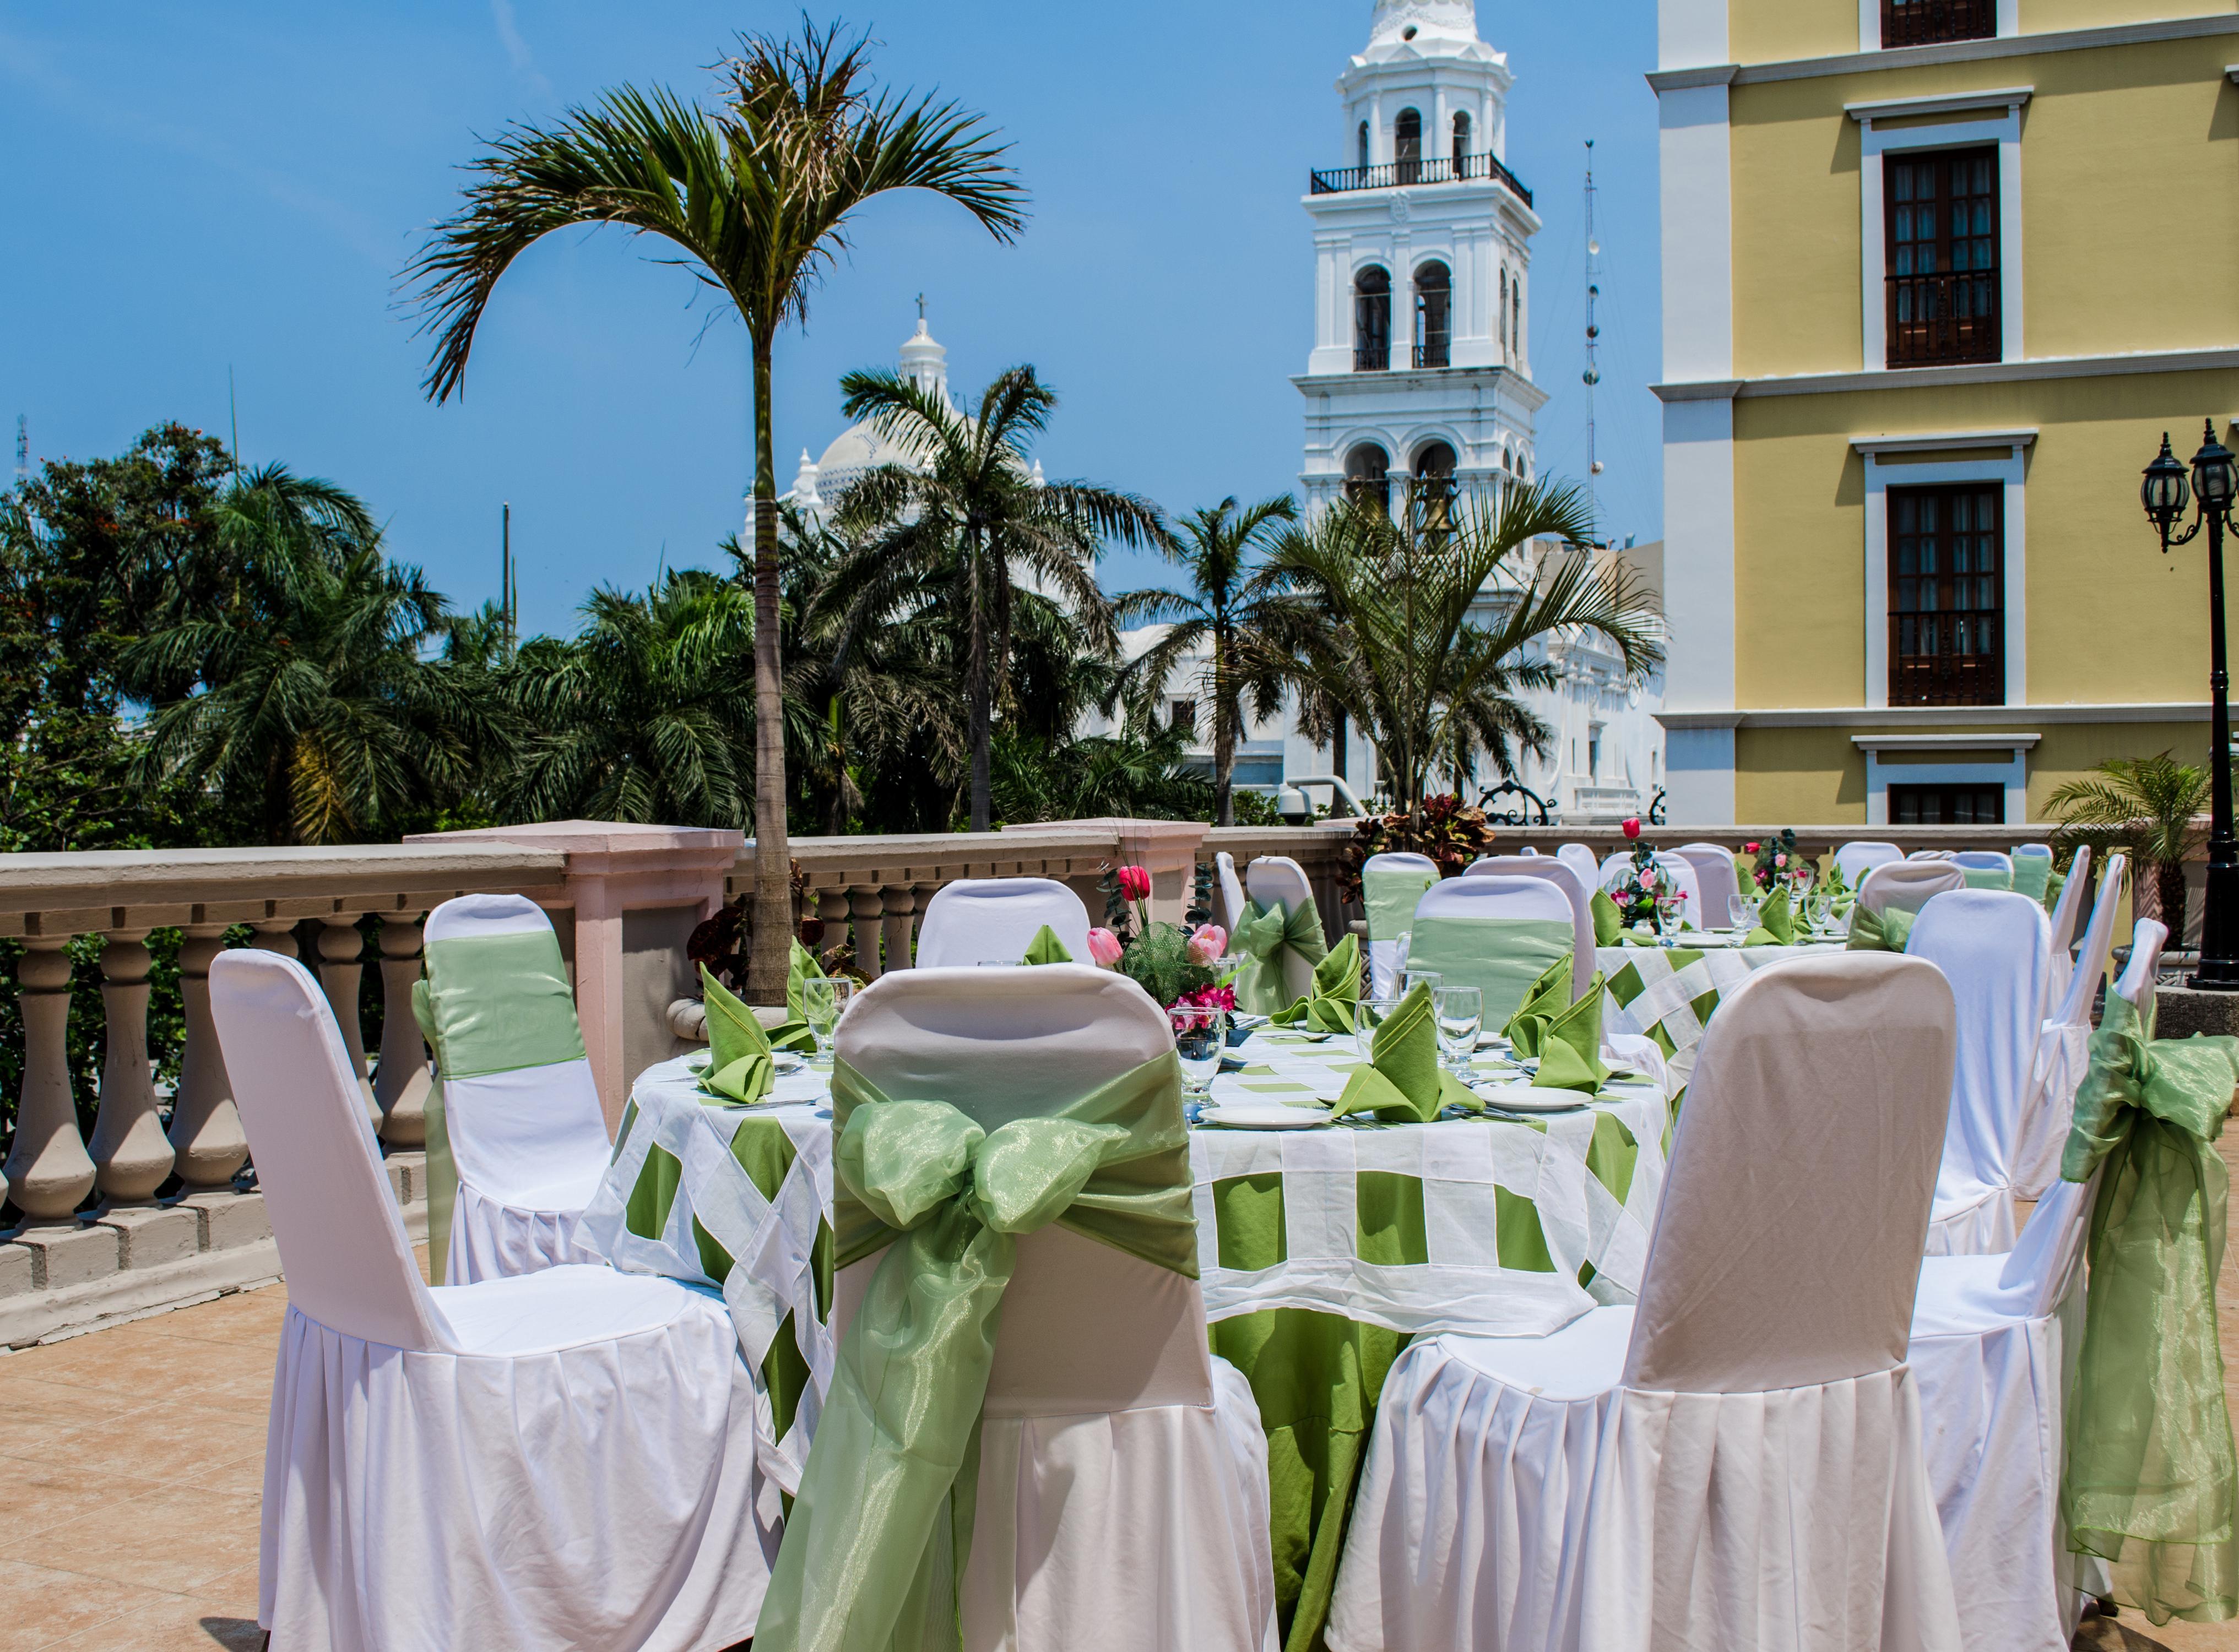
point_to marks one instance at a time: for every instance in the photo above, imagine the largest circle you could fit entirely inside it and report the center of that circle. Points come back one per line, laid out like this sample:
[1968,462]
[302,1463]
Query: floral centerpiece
[1781,865]
[1647,894]
[1446,829]
[1177,967]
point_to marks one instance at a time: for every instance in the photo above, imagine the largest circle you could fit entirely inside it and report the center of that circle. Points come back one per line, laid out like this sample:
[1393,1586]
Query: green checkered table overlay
[1667,994]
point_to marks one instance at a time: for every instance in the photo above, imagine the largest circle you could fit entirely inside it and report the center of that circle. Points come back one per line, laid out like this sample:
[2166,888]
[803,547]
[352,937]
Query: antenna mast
[1593,374]
[508,605]
[22,450]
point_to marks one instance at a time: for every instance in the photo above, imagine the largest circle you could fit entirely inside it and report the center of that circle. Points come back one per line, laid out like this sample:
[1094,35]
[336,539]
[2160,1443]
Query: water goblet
[1461,1018]
[1410,979]
[1200,1036]
[1368,1015]
[1741,912]
[824,1000]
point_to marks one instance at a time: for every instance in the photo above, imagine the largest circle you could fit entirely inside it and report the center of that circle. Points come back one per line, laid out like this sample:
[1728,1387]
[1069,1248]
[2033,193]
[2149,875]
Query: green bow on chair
[1776,924]
[2150,1485]
[1885,931]
[881,1533]
[1404,1082]
[1262,938]
[1329,1006]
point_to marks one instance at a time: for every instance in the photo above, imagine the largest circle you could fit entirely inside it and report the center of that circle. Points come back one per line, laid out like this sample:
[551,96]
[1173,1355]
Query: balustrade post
[832,912]
[342,952]
[206,1134]
[902,906]
[275,935]
[48,1170]
[868,906]
[401,1082]
[131,1159]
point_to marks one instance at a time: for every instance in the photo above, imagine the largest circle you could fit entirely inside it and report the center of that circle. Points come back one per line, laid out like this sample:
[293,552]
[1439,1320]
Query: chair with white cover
[2068,911]
[1497,934]
[2063,1045]
[994,920]
[1736,1461]
[1715,874]
[1232,891]
[1681,870]
[520,1109]
[1908,886]
[2042,850]
[1855,861]
[1580,860]
[1271,879]
[1932,855]
[1991,1335]
[1581,899]
[1988,860]
[1391,883]
[1122,1491]
[1996,949]
[562,1458]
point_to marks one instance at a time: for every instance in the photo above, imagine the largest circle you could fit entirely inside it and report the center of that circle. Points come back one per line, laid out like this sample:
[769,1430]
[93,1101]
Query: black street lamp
[2215,482]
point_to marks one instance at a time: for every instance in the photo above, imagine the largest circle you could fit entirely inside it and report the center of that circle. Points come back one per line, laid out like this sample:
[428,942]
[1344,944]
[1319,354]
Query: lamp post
[2214,481]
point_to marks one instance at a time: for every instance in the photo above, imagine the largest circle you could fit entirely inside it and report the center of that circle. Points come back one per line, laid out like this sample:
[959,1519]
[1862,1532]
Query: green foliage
[2147,808]
[1446,829]
[1146,776]
[1158,961]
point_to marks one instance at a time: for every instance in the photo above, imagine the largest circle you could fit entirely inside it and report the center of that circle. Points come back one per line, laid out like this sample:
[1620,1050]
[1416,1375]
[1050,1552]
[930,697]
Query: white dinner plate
[1263,1115]
[1530,1099]
[781,1061]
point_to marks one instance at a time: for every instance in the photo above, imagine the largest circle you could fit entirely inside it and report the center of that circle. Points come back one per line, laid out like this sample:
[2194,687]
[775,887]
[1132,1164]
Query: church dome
[1407,20]
[924,361]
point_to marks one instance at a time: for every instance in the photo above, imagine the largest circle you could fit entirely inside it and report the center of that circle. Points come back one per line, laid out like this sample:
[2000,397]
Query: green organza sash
[2150,1485]
[2032,874]
[1987,878]
[1390,894]
[1263,936]
[881,1533]
[1500,956]
[486,1004]
[1885,931]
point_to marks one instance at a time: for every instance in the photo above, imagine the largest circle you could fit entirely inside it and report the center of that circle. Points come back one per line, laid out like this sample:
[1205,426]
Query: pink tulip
[1749,848]
[1631,830]
[1209,944]
[1104,947]
[1135,883]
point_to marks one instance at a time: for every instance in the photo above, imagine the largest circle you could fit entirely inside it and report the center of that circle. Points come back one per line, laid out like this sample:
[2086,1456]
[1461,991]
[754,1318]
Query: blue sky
[235,185]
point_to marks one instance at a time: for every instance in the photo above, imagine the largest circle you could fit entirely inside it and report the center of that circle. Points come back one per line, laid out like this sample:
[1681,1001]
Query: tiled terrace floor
[132,1464]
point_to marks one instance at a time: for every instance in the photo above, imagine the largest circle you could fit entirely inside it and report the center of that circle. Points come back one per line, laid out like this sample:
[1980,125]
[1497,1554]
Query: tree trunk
[773,853]
[976,697]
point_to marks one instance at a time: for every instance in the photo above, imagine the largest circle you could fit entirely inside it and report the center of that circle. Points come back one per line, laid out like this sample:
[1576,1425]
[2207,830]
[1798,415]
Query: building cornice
[1509,383]
[2053,367]
[1954,51]
[1993,741]
[1898,718]
[1943,440]
[1898,108]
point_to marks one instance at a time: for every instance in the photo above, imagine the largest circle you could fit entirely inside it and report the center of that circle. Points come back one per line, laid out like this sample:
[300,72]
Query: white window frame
[2011,774]
[1996,118]
[1869,23]
[2011,471]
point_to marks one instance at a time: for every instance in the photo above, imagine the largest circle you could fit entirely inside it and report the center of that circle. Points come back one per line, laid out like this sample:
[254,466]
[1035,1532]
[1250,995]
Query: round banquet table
[1321,1252]
[1667,994]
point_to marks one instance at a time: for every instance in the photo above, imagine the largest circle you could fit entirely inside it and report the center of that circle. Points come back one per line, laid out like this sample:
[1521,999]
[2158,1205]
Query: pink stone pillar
[636,892]
[1168,849]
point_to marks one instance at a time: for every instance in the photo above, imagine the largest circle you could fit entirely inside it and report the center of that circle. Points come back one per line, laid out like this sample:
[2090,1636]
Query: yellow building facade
[1937,274]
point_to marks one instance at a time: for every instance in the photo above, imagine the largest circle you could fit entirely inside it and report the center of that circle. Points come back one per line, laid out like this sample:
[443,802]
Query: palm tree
[1396,646]
[2145,806]
[1243,620]
[304,703]
[635,718]
[968,510]
[756,195]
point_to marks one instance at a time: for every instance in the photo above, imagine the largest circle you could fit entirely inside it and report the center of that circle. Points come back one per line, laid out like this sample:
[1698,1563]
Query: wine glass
[1369,1014]
[1200,1036]
[824,1000]
[1461,1018]
[1410,979]
[1741,912]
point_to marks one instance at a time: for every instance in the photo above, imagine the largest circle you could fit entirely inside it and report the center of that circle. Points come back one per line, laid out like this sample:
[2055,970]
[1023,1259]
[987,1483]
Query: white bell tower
[1422,253]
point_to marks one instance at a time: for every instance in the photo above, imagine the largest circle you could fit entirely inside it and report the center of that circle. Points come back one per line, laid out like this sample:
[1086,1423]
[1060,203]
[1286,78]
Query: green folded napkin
[1404,1082]
[1047,948]
[1546,998]
[739,1067]
[1609,923]
[792,1033]
[1776,925]
[1570,1053]
[1886,930]
[1328,1007]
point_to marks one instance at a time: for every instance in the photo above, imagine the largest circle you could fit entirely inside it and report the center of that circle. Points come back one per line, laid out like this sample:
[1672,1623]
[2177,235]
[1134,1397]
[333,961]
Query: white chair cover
[1996,949]
[1232,889]
[1930,854]
[994,920]
[562,1459]
[1579,896]
[1984,861]
[1737,1462]
[1908,884]
[2068,909]
[530,1142]
[1692,910]
[1388,954]
[1580,860]
[1715,876]
[2063,1045]
[1855,861]
[1273,878]
[1123,1501]
[1493,902]
[2042,850]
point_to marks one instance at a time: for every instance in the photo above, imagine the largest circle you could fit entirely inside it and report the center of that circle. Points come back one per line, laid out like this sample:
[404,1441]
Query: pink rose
[1104,947]
[1631,830]
[1209,944]
[1135,883]
[1780,860]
